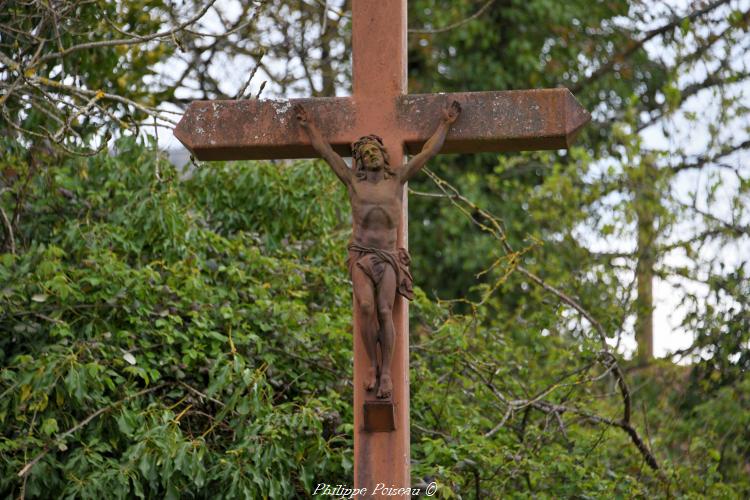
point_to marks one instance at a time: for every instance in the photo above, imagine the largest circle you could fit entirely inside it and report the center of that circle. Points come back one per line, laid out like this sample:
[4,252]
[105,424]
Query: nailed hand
[450,114]
[301,114]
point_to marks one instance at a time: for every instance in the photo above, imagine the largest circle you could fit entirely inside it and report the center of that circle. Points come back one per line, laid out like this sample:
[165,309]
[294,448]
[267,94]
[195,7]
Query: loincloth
[372,261]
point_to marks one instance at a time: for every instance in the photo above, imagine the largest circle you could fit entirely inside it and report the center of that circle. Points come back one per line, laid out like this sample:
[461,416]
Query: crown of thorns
[368,139]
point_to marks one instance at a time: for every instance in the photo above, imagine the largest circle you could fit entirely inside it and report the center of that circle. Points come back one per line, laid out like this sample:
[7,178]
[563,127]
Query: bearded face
[372,157]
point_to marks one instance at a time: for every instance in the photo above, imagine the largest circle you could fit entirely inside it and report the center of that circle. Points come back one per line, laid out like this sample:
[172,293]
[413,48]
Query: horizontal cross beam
[491,121]
[515,120]
[262,129]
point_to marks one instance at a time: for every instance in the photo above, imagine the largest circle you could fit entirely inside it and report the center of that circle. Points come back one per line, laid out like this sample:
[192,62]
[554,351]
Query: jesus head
[369,154]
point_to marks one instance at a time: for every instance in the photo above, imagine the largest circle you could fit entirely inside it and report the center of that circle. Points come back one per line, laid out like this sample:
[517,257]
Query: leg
[385,297]
[364,294]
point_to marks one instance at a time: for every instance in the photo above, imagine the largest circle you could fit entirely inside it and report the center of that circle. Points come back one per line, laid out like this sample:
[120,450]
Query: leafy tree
[73,75]
[623,189]
[159,345]
[163,340]
[187,334]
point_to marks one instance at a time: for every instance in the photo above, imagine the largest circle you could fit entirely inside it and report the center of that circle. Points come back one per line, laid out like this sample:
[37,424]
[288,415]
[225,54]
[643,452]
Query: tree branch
[702,160]
[633,46]
[83,423]
[134,39]
[432,31]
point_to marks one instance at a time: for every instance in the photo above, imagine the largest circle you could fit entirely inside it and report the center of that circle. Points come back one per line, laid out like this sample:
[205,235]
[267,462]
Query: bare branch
[702,160]
[432,31]
[606,357]
[241,92]
[635,45]
[133,38]
[10,241]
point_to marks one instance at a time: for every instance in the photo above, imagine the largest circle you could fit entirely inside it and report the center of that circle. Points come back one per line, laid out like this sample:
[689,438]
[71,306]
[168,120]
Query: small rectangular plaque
[379,416]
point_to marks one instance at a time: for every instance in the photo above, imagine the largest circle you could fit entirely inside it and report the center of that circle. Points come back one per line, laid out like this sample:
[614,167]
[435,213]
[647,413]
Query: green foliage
[162,341]
[171,334]
[219,361]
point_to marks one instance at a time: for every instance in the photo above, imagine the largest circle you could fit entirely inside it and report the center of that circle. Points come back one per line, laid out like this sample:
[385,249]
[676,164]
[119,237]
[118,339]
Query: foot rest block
[379,416]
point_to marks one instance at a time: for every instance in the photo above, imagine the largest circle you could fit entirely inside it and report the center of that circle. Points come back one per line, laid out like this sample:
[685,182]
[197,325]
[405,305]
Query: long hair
[359,169]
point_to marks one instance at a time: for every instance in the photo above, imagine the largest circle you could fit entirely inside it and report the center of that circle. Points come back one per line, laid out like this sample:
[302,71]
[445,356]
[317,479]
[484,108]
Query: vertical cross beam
[379,77]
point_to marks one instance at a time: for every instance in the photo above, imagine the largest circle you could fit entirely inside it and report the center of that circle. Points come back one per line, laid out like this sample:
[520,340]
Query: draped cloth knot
[372,261]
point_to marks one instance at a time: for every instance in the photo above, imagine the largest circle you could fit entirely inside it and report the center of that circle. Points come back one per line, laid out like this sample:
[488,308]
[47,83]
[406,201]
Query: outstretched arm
[322,147]
[434,144]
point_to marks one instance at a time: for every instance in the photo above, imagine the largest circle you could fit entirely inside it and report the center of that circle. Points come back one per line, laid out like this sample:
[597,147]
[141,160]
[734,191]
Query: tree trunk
[644,271]
[328,78]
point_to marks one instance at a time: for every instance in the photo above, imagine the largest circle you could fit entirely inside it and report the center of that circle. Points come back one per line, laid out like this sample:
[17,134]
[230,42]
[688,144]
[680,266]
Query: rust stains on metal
[514,120]
[262,129]
[495,121]
[379,416]
[379,77]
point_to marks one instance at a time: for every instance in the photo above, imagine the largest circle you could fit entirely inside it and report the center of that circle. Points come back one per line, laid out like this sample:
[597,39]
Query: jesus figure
[378,268]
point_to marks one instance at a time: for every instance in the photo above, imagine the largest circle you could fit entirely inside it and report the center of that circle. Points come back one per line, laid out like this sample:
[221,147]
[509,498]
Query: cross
[490,121]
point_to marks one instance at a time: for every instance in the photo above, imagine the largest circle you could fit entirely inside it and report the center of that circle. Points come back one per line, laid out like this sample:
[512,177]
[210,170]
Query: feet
[386,386]
[372,379]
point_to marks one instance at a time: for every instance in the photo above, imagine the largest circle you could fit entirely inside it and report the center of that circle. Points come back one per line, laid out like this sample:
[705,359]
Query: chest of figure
[386,194]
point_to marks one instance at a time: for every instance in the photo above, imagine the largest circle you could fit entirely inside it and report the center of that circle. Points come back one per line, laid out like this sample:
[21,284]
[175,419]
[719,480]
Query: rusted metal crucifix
[490,121]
